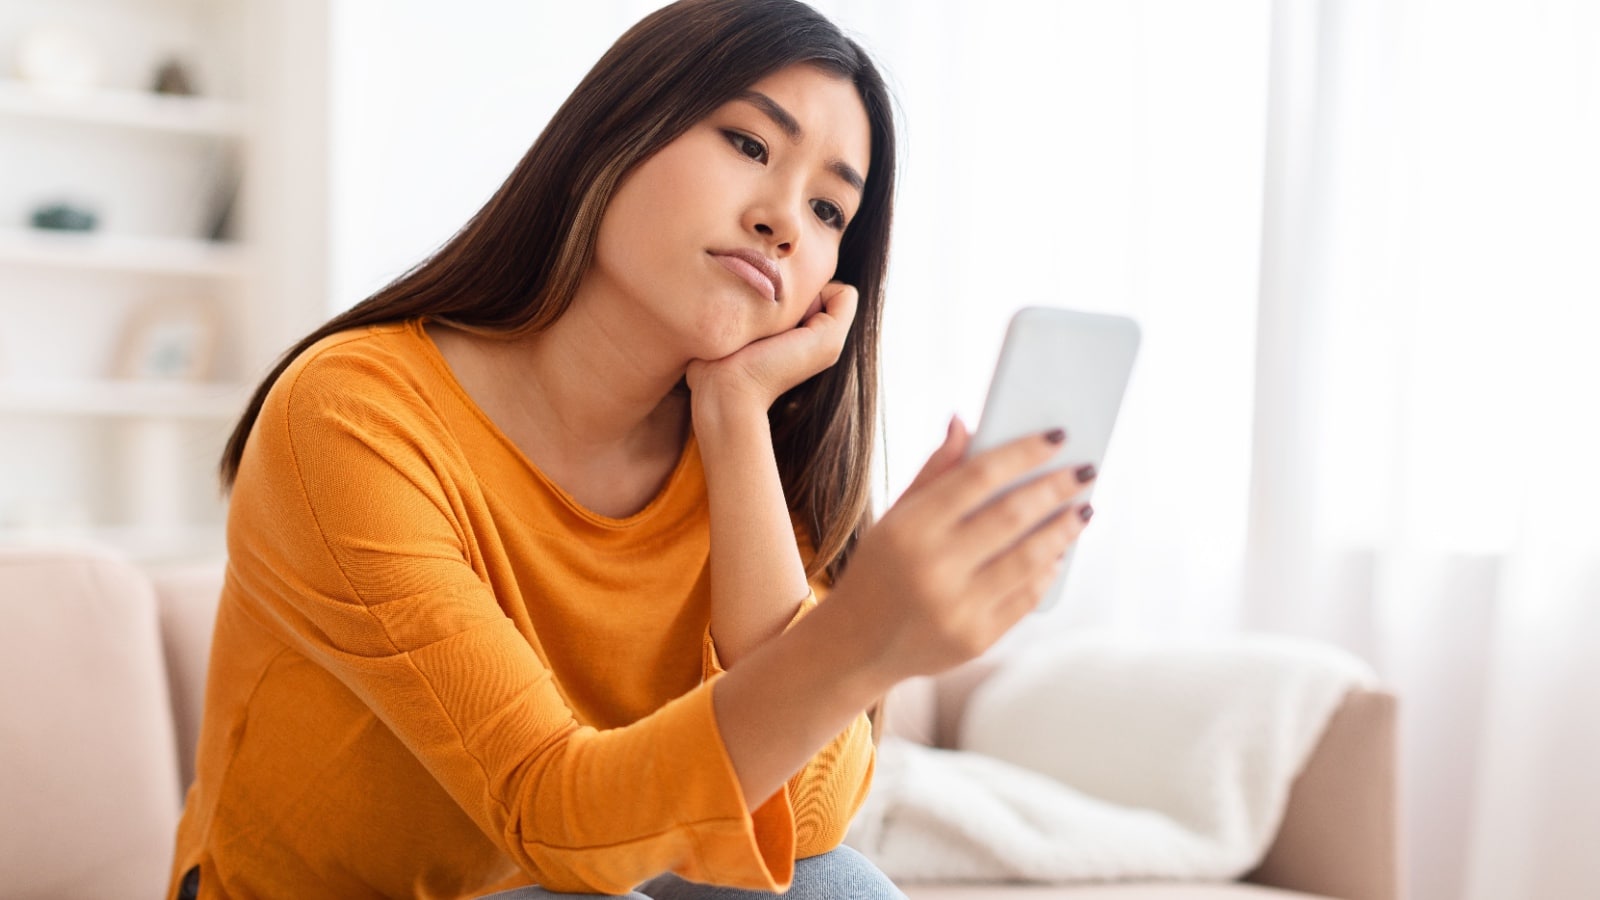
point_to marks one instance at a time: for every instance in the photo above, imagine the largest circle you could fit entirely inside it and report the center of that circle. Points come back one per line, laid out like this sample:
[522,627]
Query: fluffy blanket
[1105,759]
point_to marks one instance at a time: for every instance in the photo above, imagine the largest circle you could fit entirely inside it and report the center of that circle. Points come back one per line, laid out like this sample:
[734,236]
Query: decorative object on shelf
[64,217]
[56,58]
[169,339]
[173,78]
[220,224]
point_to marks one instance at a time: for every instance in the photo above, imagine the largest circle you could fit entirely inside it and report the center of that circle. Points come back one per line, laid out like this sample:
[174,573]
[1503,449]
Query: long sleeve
[378,583]
[828,791]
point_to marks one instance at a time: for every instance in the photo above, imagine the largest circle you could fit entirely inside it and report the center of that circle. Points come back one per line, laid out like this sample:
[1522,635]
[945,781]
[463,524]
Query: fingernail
[950,430]
[1086,473]
[1055,435]
[1087,512]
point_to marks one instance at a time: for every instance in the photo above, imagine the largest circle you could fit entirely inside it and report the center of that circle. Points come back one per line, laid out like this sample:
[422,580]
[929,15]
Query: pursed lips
[756,270]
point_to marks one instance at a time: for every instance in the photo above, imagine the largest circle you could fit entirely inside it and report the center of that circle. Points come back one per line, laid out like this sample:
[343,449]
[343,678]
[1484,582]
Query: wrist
[852,653]
[714,411]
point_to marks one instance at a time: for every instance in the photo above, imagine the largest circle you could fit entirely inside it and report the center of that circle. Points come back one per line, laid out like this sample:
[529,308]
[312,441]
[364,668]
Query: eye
[747,146]
[829,213]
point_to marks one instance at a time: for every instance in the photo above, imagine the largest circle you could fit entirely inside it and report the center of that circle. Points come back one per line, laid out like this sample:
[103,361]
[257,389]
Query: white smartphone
[1059,369]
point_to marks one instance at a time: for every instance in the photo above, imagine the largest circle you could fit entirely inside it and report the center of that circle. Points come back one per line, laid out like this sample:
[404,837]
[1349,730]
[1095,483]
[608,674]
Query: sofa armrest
[88,773]
[1340,831]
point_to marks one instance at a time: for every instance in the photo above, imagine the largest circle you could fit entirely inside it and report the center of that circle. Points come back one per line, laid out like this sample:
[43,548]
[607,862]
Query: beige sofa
[101,672]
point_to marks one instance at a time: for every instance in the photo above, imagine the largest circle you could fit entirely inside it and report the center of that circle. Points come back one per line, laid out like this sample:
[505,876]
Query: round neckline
[435,358]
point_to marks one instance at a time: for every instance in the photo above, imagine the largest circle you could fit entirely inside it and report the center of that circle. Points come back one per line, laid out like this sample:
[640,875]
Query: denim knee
[841,872]
[538,893]
[837,874]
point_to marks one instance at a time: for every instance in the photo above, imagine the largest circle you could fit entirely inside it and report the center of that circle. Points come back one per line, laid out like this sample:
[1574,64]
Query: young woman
[526,549]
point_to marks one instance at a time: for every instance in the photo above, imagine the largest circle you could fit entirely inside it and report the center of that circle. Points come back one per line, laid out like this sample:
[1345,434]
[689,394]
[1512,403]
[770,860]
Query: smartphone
[1059,368]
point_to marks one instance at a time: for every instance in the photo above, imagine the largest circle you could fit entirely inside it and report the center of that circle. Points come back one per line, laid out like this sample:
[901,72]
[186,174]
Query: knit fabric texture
[434,674]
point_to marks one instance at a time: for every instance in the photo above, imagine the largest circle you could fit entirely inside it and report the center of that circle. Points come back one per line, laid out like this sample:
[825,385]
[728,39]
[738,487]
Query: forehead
[828,110]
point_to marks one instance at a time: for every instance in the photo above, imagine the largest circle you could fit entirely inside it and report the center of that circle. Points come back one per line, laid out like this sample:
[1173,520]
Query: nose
[783,247]
[778,227]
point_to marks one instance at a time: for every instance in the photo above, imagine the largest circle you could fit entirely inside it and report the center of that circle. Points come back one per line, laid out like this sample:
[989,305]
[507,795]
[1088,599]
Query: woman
[526,549]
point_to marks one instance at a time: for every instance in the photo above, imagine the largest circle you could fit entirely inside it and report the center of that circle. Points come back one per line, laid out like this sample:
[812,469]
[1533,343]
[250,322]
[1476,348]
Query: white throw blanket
[1104,759]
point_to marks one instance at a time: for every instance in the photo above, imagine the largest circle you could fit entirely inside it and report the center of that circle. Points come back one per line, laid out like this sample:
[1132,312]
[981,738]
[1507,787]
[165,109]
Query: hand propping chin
[767,367]
[813,309]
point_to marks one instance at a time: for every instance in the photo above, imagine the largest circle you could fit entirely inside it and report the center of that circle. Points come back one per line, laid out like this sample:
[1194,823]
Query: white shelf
[124,399]
[130,464]
[124,109]
[121,253]
[139,545]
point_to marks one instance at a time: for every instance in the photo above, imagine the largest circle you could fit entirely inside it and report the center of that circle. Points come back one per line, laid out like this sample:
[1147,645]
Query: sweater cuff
[754,850]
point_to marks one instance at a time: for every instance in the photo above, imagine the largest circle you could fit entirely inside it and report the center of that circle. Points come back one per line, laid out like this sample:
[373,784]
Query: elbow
[824,808]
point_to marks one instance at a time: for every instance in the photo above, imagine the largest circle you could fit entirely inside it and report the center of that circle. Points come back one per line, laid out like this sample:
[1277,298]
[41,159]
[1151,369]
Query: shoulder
[368,362]
[374,383]
[351,426]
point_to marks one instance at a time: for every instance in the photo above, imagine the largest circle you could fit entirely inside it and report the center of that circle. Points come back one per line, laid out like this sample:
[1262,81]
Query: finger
[1023,600]
[1030,557]
[1019,511]
[979,479]
[834,306]
[813,309]
[831,325]
[946,457]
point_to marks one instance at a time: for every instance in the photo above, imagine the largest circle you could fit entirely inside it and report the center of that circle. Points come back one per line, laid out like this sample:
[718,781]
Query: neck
[601,381]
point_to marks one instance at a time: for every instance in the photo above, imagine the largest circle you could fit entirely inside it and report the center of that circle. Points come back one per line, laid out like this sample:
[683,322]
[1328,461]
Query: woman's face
[768,181]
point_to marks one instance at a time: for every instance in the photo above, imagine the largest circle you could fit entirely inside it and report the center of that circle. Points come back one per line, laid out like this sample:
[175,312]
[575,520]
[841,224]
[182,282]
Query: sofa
[102,667]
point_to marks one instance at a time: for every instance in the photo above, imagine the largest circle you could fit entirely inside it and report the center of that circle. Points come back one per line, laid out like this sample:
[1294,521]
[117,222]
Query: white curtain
[1361,238]
[1427,408]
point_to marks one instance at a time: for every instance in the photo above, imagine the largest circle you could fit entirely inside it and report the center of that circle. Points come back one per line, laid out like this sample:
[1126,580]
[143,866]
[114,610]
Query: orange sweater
[435,675]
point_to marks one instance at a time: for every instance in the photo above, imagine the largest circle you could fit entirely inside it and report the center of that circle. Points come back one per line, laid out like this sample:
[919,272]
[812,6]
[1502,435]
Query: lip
[757,271]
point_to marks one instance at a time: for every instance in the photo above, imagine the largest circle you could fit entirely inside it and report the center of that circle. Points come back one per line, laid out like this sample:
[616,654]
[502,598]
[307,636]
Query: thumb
[946,457]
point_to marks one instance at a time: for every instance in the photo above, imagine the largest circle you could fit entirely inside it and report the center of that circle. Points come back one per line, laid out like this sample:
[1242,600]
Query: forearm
[757,578]
[792,695]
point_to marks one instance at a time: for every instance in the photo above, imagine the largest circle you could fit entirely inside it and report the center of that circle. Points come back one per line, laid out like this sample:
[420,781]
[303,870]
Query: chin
[717,349]
[723,330]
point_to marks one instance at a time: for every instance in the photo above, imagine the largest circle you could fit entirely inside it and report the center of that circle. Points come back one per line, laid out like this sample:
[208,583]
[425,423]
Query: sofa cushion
[909,711]
[90,781]
[187,594]
[1102,892]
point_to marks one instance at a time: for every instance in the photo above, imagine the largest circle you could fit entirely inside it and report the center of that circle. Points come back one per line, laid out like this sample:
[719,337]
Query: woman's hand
[952,566]
[762,370]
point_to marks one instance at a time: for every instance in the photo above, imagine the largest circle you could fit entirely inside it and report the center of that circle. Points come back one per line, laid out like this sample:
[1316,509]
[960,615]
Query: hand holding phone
[1061,369]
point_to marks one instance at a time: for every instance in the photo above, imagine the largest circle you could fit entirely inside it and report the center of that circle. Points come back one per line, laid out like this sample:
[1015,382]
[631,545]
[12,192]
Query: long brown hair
[515,266]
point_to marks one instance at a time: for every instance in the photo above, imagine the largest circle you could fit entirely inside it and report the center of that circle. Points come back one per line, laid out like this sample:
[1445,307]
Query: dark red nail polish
[1086,473]
[1055,435]
[1086,513]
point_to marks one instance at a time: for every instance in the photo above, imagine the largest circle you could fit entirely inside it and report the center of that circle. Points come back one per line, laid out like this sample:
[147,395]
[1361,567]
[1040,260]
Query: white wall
[1083,154]
[432,104]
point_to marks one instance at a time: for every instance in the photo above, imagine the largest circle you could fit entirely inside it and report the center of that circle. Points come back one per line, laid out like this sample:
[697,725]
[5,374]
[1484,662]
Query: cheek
[812,280]
[653,198]
[619,229]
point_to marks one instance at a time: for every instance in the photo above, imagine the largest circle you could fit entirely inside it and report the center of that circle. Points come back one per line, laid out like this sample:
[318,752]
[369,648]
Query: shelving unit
[124,109]
[183,257]
[86,456]
[122,399]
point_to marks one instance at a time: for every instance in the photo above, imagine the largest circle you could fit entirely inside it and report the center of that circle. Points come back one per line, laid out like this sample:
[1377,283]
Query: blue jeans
[839,874]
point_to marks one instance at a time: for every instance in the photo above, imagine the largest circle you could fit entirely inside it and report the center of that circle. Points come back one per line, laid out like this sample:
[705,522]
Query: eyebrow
[791,128]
